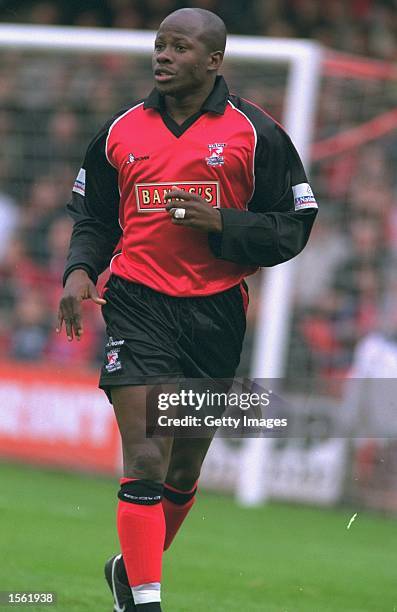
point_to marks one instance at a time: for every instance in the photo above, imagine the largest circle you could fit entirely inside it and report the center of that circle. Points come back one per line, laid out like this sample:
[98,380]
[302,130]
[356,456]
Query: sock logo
[141,492]
[140,499]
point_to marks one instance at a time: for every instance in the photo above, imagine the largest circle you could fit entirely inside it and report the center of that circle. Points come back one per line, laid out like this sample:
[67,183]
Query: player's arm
[96,231]
[281,213]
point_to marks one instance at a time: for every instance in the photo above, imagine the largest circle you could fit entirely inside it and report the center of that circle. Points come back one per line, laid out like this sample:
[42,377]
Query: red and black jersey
[232,154]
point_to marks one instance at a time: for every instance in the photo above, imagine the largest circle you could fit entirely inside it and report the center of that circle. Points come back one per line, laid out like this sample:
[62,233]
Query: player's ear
[215,60]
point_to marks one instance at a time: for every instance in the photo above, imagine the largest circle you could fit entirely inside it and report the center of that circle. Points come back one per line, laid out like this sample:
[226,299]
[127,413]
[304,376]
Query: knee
[183,476]
[144,461]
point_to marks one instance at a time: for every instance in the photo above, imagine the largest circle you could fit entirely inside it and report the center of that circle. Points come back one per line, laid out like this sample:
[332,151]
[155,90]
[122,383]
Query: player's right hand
[78,287]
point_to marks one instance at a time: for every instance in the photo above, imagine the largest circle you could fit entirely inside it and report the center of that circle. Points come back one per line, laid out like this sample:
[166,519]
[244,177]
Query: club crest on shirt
[216,157]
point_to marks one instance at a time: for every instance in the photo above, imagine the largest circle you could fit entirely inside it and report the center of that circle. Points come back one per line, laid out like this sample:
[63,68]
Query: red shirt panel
[213,157]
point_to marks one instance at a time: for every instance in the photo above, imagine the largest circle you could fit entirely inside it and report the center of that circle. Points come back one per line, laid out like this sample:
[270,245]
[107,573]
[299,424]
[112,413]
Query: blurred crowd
[367,27]
[51,105]
[347,287]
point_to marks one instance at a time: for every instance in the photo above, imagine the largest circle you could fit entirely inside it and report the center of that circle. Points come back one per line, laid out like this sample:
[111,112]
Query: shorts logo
[133,158]
[113,363]
[112,342]
[112,356]
[150,196]
[216,157]
[303,196]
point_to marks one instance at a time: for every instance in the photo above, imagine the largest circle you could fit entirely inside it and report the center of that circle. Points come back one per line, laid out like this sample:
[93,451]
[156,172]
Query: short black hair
[213,28]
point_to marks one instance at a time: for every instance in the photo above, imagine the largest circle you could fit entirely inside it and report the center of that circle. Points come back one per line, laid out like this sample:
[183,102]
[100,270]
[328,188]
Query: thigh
[143,457]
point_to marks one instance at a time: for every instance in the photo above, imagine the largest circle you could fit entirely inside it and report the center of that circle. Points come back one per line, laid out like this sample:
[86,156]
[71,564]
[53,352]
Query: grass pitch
[56,530]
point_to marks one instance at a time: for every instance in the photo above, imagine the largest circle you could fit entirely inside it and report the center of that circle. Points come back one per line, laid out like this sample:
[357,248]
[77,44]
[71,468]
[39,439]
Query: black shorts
[154,338]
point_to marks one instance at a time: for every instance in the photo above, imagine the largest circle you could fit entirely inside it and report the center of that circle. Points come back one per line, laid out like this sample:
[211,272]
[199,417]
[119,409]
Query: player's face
[181,62]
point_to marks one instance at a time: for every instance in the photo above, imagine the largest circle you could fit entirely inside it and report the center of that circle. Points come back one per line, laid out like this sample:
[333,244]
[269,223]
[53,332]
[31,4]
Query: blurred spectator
[47,13]
[9,217]
[328,245]
[31,326]
[58,239]
[44,205]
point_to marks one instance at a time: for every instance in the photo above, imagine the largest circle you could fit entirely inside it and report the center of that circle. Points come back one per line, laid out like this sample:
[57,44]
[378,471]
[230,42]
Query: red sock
[176,505]
[141,528]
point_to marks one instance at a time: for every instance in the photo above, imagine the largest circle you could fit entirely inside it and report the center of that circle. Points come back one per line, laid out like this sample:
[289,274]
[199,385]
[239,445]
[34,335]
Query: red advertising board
[56,417]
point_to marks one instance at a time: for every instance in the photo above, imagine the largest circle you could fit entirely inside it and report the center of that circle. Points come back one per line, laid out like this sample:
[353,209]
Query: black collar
[215,103]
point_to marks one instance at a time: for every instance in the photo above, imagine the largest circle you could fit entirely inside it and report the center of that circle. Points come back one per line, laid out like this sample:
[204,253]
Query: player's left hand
[199,214]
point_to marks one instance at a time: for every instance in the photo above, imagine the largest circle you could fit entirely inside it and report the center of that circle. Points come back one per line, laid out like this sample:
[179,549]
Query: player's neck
[182,107]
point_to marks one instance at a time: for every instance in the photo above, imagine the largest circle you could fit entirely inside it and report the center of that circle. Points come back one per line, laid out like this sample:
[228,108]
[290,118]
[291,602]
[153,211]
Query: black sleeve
[94,208]
[279,217]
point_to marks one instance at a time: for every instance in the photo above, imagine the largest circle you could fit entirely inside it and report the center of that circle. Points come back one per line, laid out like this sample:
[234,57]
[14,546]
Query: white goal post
[300,102]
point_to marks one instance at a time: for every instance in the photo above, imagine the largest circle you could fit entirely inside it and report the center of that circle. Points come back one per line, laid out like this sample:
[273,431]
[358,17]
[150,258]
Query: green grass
[57,529]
